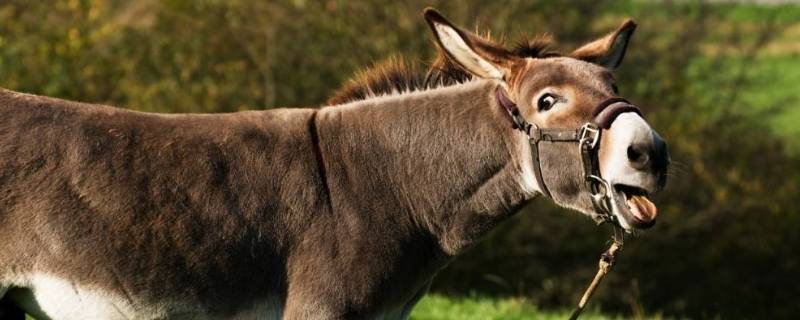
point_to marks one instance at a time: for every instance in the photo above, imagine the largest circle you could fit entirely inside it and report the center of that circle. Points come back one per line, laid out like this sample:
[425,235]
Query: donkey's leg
[300,306]
[413,302]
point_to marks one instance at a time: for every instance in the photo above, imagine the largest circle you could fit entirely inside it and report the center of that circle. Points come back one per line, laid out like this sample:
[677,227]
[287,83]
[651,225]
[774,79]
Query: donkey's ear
[476,55]
[607,51]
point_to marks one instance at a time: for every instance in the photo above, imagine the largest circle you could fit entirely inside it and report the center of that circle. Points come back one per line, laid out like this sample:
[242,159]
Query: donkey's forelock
[540,46]
[396,74]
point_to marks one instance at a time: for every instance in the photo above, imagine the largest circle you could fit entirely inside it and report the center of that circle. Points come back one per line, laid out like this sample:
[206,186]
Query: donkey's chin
[632,207]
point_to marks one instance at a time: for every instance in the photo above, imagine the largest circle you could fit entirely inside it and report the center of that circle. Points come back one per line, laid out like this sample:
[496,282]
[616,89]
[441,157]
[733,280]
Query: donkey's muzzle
[650,155]
[660,159]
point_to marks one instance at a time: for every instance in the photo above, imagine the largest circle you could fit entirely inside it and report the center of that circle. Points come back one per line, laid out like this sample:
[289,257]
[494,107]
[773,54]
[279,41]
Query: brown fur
[222,210]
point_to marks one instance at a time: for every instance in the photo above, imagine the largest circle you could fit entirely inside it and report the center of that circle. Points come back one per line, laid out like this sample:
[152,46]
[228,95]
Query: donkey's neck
[444,161]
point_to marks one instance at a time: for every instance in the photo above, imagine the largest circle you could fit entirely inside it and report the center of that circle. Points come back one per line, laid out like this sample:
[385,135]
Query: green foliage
[718,81]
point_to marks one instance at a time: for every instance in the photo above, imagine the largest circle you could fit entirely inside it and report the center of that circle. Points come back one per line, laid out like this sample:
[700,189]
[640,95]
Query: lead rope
[607,261]
[587,137]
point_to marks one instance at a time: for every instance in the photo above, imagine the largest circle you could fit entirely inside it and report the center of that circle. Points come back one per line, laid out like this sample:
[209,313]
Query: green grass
[438,307]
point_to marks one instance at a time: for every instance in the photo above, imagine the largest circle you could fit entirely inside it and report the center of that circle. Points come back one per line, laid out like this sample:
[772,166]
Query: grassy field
[438,307]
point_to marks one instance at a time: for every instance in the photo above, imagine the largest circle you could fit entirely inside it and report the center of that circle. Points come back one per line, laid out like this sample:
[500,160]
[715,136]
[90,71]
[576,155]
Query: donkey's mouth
[637,210]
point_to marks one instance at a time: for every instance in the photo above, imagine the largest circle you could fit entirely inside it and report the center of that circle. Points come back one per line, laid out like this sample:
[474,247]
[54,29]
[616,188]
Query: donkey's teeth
[642,208]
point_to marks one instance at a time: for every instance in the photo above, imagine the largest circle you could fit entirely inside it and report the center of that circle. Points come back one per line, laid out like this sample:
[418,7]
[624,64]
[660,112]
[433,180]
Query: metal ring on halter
[602,182]
[601,199]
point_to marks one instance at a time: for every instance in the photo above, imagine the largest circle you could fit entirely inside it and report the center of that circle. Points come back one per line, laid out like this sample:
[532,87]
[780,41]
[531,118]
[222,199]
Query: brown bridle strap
[607,102]
[535,134]
[517,121]
[607,111]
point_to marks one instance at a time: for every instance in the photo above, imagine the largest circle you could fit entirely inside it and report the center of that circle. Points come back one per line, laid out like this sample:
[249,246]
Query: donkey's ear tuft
[431,14]
[607,51]
[478,56]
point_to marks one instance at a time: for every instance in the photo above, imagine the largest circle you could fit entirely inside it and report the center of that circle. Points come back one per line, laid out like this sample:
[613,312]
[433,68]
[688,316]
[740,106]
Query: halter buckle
[601,198]
[590,135]
[534,133]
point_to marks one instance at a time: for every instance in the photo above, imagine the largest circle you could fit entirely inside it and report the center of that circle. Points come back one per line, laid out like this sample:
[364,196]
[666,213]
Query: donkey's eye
[615,88]
[546,101]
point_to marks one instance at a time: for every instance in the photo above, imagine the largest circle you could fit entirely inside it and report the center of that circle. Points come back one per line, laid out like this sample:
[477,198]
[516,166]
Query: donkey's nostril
[637,154]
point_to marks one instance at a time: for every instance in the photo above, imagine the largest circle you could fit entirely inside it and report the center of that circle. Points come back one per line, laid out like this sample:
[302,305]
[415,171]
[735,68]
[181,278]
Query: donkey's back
[190,212]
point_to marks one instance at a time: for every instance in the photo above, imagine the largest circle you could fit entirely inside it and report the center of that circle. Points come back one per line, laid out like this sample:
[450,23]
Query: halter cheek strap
[587,137]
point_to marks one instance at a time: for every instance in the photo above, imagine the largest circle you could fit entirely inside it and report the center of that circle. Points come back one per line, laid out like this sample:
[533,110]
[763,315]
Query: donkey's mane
[397,75]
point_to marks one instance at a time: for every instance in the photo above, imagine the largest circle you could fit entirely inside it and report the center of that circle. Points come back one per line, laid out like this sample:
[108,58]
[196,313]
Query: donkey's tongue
[642,208]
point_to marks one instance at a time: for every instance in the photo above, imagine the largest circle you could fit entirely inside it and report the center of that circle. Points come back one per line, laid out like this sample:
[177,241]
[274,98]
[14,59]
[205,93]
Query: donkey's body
[342,212]
[305,213]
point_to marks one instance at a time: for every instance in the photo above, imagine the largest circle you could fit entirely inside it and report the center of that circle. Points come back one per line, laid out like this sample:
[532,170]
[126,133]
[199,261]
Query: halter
[587,137]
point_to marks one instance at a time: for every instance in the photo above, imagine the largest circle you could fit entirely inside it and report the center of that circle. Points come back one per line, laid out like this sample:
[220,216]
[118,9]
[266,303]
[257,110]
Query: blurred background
[719,80]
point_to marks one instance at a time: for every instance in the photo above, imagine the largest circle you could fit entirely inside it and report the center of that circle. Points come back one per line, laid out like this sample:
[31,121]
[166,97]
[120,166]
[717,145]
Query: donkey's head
[567,93]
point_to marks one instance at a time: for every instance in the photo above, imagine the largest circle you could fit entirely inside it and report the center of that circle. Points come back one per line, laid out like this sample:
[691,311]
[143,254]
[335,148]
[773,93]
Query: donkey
[342,212]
